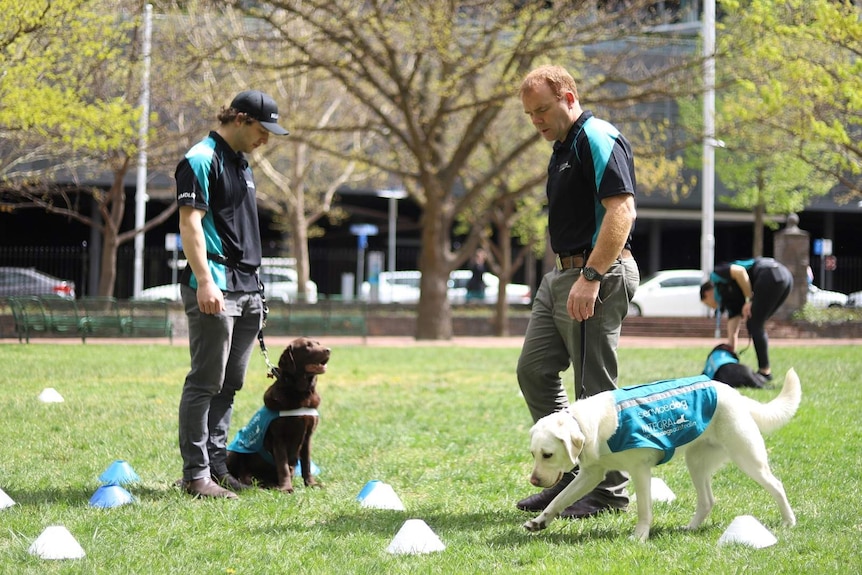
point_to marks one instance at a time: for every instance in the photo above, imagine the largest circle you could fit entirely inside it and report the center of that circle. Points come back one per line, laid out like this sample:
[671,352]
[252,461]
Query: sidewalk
[277,342]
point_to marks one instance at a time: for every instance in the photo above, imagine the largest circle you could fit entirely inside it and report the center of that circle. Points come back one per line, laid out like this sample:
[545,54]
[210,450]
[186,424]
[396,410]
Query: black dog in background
[722,364]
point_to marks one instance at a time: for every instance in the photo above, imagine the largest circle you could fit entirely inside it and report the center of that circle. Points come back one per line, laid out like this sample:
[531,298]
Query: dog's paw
[536,524]
[313,483]
[285,488]
[641,533]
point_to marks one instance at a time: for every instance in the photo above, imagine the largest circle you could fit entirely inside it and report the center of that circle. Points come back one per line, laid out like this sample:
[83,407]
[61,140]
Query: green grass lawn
[445,427]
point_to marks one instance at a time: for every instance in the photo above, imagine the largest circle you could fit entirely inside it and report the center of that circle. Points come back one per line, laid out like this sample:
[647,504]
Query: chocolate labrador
[267,449]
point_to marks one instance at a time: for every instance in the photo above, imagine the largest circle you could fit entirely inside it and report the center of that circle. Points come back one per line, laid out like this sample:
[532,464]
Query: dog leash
[583,393]
[272,371]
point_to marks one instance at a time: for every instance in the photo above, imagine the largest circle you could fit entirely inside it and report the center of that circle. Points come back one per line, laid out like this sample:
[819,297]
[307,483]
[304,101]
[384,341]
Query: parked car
[394,287]
[279,284]
[854,299]
[283,284]
[825,298]
[30,281]
[516,294]
[403,287]
[670,293]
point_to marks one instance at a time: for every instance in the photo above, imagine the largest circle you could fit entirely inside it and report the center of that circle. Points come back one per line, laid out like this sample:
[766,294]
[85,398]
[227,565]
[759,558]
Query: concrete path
[276,342]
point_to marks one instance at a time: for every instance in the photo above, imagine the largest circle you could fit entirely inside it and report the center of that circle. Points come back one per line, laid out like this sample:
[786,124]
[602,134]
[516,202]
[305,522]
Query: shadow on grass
[386,523]
[73,496]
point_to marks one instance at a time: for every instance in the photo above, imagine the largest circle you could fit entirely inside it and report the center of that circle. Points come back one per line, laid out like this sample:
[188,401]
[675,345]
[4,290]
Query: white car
[403,287]
[670,293]
[854,299]
[279,284]
[394,287]
[518,294]
[824,298]
[283,284]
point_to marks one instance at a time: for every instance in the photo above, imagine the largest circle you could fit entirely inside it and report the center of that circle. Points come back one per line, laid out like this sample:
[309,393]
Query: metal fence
[328,267]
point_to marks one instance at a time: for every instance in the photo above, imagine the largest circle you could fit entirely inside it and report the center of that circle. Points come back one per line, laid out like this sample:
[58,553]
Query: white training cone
[5,500]
[747,530]
[56,542]
[119,473]
[50,395]
[382,496]
[659,491]
[415,537]
[367,488]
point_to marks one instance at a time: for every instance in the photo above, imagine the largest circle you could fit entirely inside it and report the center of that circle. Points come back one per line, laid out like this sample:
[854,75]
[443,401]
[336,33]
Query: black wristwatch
[591,275]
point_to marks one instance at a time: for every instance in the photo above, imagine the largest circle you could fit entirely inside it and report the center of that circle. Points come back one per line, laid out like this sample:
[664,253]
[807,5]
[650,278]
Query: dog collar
[298,412]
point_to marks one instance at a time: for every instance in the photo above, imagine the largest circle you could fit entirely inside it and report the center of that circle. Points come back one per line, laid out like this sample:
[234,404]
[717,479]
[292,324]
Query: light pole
[393,196]
[141,192]
[707,234]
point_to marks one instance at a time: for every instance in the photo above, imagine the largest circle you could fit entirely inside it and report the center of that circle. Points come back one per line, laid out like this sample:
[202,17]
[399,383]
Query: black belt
[573,260]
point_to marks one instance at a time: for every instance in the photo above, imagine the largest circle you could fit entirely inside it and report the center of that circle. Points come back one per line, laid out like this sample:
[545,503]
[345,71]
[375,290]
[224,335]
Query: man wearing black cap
[221,240]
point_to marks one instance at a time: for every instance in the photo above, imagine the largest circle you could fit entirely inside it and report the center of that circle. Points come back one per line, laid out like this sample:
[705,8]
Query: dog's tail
[775,414]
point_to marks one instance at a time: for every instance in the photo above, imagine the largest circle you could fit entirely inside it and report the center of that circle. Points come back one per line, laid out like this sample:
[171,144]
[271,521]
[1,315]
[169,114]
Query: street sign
[363,230]
[173,242]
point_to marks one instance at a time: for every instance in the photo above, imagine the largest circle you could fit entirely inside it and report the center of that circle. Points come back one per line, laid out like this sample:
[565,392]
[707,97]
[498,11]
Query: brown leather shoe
[538,501]
[206,487]
[590,506]
[230,482]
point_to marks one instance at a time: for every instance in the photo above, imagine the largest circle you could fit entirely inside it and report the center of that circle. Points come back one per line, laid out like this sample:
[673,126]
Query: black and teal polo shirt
[214,178]
[593,163]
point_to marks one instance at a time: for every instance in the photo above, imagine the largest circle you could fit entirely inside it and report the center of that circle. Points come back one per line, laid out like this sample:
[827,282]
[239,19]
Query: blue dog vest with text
[663,415]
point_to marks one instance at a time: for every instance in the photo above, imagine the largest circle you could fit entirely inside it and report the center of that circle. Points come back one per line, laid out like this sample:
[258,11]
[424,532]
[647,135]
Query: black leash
[272,371]
[583,359]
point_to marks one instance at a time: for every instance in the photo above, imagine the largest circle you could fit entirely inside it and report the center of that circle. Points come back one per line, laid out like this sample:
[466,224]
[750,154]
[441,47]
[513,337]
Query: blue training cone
[315,470]
[119,473]
[110,496]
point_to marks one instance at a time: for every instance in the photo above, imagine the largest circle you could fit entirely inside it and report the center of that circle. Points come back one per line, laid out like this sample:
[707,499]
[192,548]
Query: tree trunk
[299,244]
[113,208]
[434,319]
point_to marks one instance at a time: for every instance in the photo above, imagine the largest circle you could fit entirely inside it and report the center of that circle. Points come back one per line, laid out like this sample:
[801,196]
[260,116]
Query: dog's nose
[534,480]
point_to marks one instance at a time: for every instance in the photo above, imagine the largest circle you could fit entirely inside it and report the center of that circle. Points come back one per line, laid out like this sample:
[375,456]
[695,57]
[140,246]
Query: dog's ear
[575,443]
[572,438]
[287,362]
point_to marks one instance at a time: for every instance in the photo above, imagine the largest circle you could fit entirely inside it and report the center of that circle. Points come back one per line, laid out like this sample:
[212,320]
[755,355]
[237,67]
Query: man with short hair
[579,307]
[220,290]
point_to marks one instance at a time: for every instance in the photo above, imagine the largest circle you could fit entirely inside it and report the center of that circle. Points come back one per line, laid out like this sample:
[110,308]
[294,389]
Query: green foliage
[61,72]
[444,425]
[799,77]
[826,316]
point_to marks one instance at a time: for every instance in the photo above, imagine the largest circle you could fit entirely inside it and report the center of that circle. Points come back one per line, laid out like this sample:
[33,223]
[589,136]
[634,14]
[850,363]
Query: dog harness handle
[298,412]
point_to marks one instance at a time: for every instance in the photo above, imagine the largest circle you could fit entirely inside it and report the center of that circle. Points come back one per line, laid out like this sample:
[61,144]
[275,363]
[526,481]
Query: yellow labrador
[634,429]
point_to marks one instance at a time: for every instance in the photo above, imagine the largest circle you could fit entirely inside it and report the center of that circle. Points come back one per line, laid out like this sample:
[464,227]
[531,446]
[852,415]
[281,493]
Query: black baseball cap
[260,107]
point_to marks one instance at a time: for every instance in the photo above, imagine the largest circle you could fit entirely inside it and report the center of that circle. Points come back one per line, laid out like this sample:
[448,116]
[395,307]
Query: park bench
[149,318]
[102,317]
[29,316]
[326,317]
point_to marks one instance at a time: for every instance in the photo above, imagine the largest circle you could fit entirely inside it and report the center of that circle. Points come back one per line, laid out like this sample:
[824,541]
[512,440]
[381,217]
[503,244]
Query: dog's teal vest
[716,359]
[663,415]
[250,438]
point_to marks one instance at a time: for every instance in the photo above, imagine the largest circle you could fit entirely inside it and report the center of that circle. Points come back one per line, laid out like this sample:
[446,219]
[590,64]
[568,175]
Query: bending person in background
[751,291]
